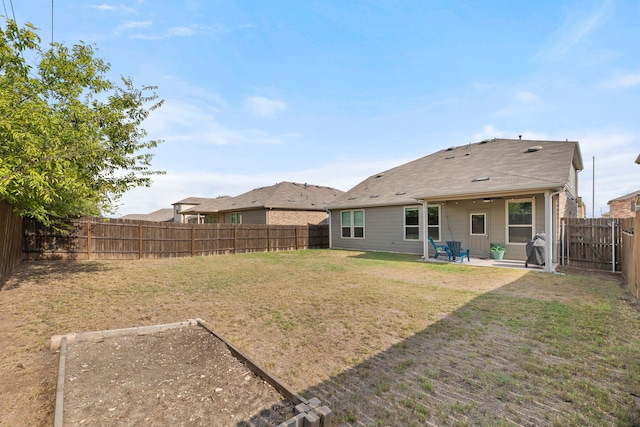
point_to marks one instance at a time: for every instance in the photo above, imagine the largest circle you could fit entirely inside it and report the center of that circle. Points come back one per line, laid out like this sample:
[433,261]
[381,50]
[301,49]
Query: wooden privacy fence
[631,254]
[112,239]
[10,239]
[593,243]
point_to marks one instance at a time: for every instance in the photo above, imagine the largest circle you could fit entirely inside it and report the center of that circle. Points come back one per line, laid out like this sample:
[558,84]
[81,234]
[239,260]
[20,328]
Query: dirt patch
[178,377]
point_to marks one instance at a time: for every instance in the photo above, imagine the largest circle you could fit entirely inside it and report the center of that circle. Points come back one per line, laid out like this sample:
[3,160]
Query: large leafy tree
[71,141]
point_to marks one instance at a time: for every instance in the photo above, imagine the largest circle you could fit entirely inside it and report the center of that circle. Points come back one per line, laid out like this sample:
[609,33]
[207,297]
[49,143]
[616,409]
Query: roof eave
[495,193]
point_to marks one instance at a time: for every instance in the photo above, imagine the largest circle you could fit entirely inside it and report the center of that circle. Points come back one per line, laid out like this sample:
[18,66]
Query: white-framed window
[433,222]
[412,223]
[478,224]
[520,216]
[352,223]
[236,217]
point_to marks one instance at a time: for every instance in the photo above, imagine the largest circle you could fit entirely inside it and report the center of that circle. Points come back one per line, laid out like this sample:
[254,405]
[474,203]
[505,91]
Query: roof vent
[484,141]
[352,198]
[373,196]
[482,178]
[380,175]
[534,149]
[401,193]
[450,148]
[449,157]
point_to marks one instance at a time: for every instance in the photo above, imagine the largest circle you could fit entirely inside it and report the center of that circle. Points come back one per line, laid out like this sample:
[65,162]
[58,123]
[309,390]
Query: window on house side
[412,223]
[520,214]
[478,224]
[352,223]
[236,218]
[433,222]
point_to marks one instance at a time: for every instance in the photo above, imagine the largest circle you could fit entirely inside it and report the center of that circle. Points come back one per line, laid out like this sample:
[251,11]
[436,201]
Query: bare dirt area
[178,377]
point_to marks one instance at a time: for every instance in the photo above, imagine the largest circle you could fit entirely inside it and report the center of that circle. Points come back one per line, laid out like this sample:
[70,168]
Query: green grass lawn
[383,339]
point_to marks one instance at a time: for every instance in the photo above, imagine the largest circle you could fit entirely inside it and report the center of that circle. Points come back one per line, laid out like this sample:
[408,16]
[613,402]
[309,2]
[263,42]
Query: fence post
[139,241]
[88,238]
[613,246]
[295,233]
[193,239]
[268,238]
[235,239]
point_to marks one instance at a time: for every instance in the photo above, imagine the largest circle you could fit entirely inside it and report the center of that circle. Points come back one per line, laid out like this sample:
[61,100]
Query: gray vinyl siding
[384,227]
[383,231]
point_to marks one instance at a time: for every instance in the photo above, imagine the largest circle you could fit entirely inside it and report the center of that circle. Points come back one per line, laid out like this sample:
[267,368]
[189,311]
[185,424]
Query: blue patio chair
[457,251]
[440,249]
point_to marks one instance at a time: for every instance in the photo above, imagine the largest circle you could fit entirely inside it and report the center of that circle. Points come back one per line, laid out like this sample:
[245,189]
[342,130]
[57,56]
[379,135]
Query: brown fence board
[631,254]
[96,238]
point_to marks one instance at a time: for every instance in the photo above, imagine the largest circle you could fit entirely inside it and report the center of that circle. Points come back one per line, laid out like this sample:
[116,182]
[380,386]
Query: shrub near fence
[111,239]
[10,239]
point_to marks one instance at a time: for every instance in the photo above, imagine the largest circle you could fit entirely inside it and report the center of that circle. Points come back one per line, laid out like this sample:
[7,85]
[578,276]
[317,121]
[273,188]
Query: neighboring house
[286,203]
[179,208]
[624,206]
[161,215]
[495,191]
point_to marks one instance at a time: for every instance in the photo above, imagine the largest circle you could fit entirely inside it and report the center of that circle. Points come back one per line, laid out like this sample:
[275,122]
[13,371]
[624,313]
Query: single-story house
[285,203]
[624,206]
[502,191]
[180,214]
[161,215]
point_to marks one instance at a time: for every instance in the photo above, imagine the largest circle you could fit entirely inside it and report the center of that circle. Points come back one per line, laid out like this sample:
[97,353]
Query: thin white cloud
[572,32]
[134,25]
[488,131]
[181,122]
[526,97]
[184,31]
[111,8]
[264,107]
[180,32]
[625,81]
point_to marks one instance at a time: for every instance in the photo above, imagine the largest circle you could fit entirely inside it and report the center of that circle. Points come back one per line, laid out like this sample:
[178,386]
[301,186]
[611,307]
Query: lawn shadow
[30,270]
[490,362]
[386,256]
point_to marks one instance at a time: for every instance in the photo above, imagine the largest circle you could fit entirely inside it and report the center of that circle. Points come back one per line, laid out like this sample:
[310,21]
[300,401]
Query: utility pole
[593,189]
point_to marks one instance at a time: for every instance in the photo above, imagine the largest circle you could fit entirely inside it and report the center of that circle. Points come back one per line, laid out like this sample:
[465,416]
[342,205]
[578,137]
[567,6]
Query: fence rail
[97,238]
[10,239]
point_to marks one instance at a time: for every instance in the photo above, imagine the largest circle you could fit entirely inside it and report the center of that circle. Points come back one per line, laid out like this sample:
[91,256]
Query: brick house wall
[622,208]
[282,217]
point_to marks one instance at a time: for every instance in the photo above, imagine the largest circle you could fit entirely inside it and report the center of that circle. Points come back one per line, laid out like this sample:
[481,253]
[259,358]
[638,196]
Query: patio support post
[425,230]
[548,230]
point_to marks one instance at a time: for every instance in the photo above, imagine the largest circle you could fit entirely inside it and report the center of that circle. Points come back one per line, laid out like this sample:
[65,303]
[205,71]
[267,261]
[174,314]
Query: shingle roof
[633,195]
[284,195]
[193,201]
[487,167]
[161,215]
[209,206]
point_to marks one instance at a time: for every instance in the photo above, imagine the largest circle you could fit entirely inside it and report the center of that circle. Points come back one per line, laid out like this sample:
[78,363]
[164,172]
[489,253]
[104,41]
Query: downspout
[330,231]
[548,230]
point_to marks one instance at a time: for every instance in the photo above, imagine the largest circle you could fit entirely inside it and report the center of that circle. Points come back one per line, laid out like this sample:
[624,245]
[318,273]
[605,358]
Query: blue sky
[330,92]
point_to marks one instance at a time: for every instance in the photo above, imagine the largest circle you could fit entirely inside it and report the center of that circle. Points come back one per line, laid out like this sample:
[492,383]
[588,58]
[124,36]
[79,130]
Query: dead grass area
[384,339]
